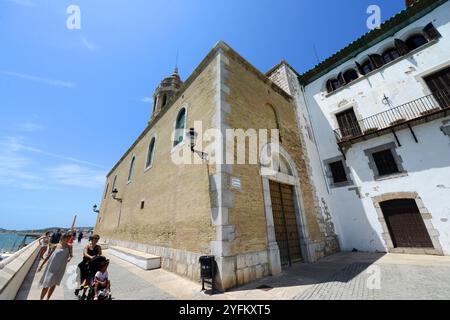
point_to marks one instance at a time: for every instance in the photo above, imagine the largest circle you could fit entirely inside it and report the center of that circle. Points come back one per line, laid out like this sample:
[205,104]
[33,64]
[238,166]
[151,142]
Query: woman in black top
[90,251]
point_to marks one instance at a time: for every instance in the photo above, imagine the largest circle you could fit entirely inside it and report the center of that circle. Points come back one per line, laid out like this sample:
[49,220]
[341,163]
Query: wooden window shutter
[360,69]
[330,86]
[431,32]
[377,60]
[401,47]
[340,78]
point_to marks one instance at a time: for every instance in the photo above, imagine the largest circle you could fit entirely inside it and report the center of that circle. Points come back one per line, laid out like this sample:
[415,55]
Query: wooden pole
[73,223]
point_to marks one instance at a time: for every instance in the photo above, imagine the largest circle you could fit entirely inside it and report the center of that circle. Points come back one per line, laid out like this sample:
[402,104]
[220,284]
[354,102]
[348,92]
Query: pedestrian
[56,267]
[54,240]
[80,236]
[44,241]
[91,250]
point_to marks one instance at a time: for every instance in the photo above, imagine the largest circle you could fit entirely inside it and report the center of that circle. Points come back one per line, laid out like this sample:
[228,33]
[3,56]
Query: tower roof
[173,80]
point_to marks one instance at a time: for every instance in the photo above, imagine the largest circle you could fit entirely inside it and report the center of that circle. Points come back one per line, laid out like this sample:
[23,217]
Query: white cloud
[15,143]
[146,99]
[57,83]
[18,169]
[88,45]
[77,176]
[23,3]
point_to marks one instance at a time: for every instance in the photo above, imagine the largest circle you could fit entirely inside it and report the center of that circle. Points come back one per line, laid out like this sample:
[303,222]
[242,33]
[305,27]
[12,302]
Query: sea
[10,242]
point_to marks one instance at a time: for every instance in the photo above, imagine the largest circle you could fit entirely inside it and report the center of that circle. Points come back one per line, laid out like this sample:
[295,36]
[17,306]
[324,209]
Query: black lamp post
[94,208]
[192,135]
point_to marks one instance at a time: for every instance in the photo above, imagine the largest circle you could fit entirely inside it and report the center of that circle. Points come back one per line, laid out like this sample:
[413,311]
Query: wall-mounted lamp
[94,208]
[192,135]
[114,195]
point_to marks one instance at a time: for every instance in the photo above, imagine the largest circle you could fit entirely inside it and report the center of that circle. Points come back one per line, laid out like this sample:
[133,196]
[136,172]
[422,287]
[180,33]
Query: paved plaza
[347,275]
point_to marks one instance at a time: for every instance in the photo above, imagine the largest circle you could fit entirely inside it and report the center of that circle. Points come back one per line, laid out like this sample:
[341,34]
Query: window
[151,148]
[142,204]
[367,67]
[390,55]
[416,41]
[180,124]
[385,162]
[431,32]
[348,124]
[350,75]
[106,191]
[114,183]
[338,172]
[130,172]
[155,100]
[333,84]
[164,100]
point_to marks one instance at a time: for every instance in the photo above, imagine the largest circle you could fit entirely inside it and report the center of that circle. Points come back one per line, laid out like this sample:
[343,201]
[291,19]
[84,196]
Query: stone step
[141,259]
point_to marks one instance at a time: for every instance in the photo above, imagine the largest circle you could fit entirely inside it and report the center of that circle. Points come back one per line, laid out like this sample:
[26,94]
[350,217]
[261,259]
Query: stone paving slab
[344,276]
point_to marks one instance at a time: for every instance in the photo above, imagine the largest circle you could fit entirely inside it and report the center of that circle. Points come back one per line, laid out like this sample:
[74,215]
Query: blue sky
[73,101]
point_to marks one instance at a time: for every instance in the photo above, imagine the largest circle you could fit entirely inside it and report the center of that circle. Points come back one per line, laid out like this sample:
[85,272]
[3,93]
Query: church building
[363,157]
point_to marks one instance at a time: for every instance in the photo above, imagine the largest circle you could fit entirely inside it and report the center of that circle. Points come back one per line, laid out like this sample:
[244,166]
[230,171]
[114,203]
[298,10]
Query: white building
[375,122]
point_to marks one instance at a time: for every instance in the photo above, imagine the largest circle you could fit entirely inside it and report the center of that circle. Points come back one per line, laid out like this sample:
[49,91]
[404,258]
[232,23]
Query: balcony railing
[424,107]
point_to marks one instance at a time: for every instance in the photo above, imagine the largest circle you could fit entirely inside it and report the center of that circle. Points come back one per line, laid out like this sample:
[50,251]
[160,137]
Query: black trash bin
[207,270]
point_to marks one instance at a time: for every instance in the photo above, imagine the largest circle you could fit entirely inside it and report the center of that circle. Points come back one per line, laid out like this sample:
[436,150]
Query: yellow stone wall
[252,103]
[177,211]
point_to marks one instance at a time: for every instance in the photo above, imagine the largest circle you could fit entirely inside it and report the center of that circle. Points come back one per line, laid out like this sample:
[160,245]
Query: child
[101,281]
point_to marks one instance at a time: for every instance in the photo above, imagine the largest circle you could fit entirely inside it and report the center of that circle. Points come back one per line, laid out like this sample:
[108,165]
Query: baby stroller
[95,266]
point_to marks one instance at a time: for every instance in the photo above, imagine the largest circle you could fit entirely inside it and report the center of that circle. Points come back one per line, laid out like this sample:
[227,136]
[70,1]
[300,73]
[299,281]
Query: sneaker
[77,291]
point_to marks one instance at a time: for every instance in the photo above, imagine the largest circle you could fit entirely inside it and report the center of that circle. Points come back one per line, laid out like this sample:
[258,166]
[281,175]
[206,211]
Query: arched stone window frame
[426,216]
[268,173]
[148,166]
[131,169]
[179,144]
[277,119]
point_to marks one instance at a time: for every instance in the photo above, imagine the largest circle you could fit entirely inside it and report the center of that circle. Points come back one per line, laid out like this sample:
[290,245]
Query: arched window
[114,183]
[180,125]
[155,100]
[106,191]
[333,84]
[367,66]
[130,172]
[275,117]
[390,55]
[151,152]
[164,100]
[350,75]
[416,41]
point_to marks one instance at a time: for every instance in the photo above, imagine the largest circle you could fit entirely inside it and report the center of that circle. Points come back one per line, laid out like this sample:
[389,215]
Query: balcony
[428,108]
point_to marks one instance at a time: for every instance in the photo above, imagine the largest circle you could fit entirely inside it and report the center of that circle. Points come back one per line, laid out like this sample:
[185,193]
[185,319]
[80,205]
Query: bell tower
[166,90]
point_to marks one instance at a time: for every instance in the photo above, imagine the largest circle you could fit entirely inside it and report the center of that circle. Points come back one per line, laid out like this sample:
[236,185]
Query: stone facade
[183,211]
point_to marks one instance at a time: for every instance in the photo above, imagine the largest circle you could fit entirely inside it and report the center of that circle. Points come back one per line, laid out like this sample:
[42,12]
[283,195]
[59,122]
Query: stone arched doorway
[406,224]
[287,232]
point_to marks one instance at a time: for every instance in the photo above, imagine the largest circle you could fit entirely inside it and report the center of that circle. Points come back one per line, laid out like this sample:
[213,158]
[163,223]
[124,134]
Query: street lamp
[94,208]
[192,135]
[114,195]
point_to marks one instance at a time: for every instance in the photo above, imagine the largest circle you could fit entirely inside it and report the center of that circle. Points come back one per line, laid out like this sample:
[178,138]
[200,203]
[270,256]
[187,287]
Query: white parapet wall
[15,268]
